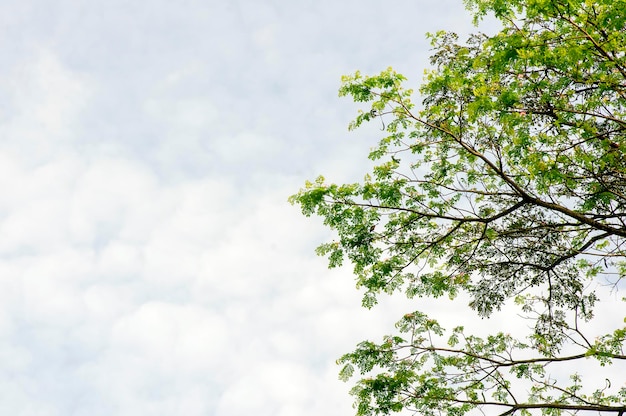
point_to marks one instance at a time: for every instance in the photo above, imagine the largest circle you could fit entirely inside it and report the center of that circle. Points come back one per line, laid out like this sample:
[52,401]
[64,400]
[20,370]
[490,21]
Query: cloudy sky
[149,261]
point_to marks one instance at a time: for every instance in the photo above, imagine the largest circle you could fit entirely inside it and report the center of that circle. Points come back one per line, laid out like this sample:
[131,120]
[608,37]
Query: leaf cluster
[507,182]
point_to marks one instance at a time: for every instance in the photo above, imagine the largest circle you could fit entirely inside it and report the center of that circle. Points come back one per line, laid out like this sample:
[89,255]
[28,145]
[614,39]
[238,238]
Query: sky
[149,261]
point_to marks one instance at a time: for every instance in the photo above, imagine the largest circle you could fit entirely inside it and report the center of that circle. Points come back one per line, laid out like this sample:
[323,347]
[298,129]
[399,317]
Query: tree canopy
[507,183]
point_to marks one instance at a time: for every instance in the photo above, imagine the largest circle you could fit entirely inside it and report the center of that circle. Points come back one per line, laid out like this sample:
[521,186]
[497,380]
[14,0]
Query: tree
[507,185]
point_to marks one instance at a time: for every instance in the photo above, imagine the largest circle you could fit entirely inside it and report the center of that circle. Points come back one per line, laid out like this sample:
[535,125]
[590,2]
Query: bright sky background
[149,261]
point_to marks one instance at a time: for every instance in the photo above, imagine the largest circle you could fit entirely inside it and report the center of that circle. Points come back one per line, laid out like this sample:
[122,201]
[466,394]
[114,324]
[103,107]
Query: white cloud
[46,101]
[172,338]
[106,193]
[159,359]
[270,388]
[183,116]
[47,96]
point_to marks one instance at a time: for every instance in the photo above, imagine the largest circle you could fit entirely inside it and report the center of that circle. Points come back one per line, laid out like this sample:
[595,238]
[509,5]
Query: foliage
[508,183]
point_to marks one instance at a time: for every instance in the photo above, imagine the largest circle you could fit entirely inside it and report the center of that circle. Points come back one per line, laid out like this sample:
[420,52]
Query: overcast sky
[149,261]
